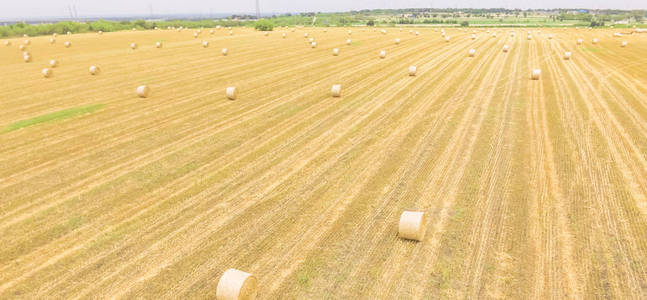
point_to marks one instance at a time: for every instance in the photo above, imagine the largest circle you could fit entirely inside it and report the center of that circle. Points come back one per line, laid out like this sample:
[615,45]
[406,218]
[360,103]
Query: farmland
[533,189]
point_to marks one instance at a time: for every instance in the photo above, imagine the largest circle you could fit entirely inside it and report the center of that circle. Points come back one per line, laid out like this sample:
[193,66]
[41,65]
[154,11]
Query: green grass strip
[55,116]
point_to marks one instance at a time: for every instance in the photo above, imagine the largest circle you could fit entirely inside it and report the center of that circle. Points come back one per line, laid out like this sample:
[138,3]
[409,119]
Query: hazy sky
[18,9]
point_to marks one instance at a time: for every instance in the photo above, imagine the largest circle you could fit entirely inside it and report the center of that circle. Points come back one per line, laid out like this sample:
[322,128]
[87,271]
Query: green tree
[264,25]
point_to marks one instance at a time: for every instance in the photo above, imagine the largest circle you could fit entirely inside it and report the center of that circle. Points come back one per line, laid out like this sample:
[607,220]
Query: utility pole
[258,10]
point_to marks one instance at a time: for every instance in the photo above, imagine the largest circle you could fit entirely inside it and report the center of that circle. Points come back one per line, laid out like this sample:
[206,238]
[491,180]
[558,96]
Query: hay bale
[224,51]
[158,45]
[550,36]
[7,43]
[348,42]
[473,36]
[567,55]
[265,33]
[54,34]
[205,44]
[305,35]
[100,32]
[382,54]
[52,41]
[412,70]
[529,37]
[417,33]
[536,73]
[579,41]
[69,33]
[314,45]
[292,29]
[21,47]
[471,52]
[195,35]
[133,46]
[336,90]
[623,44]
[335,52]
[284,35]
[53,63]
[412,225]
[232,93]
[447,39]
[68,44]
[143,91]
[236,285]
[211,31]
[94,70]
[26,58]
[325,30]
[231,32]
[350,32]
[47,73]
[397,41]
[505,48]
[27,42]
[311,40]
[595,41]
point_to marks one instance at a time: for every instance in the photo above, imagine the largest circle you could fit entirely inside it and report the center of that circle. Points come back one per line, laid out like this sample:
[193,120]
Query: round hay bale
[27,42]
[550,36]
[325,30]
[348,42]
[69,33]
[350,32]
[143,91]
[52,41]
[158,45]
[314,45]
[7,43]
[397,41]
[265,33]
[205,44]
[47,73]
[412,225]
[595,41]
[305,35]
[54,34]
[218,27]
[311,40]
[623,44]
[473,36]
[21,47]
[292,29]
[224,51]
[471,52]
[383,31]
[410,31]
[231,32]
[335,52]
[505,48]
[211,31]
[53,63]
[195,35]
[236,285]
[529,37]
[536,73]
[25,35]
[336,90]
[417,33]
[68,44]
[94,70]
[412,70]
[100,32]
[26,58]
[232,93]
[567,55]
[579,41]
[199,31]
[382,54]
[447,39]
[133,46]
[284,35]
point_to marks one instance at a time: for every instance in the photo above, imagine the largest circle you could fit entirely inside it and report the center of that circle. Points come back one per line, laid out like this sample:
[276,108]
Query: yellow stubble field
[533,189]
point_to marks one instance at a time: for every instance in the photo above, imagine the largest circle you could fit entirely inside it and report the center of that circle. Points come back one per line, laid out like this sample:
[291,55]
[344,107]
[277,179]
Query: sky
[26,9]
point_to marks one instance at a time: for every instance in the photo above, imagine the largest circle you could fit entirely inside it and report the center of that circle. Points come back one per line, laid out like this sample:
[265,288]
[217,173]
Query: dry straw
[143,91]
[236,285]
[47,73]
[412,70]
[536,73]
[336,90]
[412,225]
[232,93]
[94,70]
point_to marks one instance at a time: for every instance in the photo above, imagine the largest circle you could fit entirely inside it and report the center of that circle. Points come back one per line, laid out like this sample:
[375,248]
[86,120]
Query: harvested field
[531,189]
